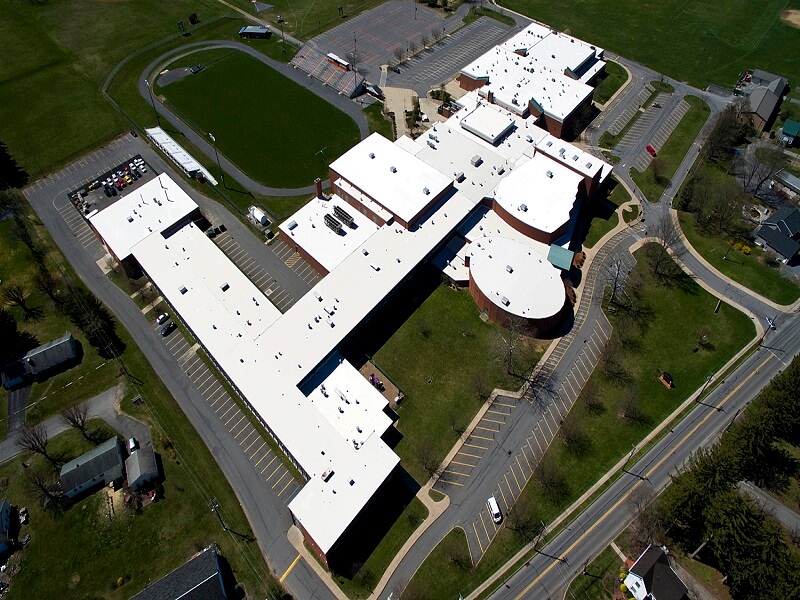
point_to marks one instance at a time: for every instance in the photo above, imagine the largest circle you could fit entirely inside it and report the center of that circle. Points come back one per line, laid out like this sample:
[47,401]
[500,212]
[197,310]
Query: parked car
[494,509]
[168,328]
[133,445]
[134,134]
[162,318]
[650,150]
[24,541]
[143,169]
[128,179]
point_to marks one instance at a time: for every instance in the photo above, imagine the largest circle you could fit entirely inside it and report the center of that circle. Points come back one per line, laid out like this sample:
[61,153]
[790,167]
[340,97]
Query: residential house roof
[787,220]
[141,464]
[780,242]
[105,459]
[197,579]
[791,128]
[659,578]
[43,358]
[763,103]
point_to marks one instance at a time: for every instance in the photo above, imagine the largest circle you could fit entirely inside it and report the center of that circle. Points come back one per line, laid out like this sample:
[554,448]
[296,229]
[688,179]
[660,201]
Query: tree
[35,439]
[96,322]
[630,406]
[15,295]
[703,334]
[48,285]
[424,40]
[412,48]
[11,174]
[551,478]
[723,213]
[669,242]
[427,459]
[646,525]
[590,395]
[522,521]
[398,54]
[77,416]
[437,34]
[611,361]
[724,133]
[47,488]
[455,423]
[575,438]
[481,385]
[659,169]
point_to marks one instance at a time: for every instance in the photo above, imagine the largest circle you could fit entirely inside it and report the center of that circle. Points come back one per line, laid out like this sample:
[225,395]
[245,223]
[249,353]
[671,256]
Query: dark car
[134,134]
[168,328]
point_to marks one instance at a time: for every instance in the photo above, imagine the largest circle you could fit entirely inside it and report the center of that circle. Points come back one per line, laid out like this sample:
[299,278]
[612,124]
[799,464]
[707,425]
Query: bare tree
[615,276]
[437,34]
[658,253]
[703,334]
[513,349]
[522,520]
[412,48]
[427,459]
[481,385]
[424,40]
[47,489]
[611,361]
[15,295]
[590,395]
[35,439]
[630,406]
[455,423]
[659,170]
[723,134]
[551,478]
[646,524]
[77,416]
[574,436]
[47,284]
[398,54]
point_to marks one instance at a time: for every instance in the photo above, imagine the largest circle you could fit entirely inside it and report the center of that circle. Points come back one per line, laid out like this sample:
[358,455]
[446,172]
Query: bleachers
[316,64]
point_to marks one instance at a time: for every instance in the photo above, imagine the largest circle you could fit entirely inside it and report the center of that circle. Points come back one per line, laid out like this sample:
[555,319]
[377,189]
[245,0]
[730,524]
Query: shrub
[746,250]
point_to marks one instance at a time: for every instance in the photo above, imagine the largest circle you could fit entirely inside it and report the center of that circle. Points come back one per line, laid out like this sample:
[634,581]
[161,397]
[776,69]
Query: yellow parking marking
[520,465]
[514,474]
[541,452]
[498,412]
[233,405]
[246,450]
[268,464]
[477,536]
[274,471]
[493,420]
[503,495]
[569,383]
[475,446]
[510,491]
[525,454]
[221,406]
[288,483]
[232,417]
[482,438]
[242,429]
[253,455]
[455,462]
[200,374]
[486,531]
[289,570]
[503,404]
[470,455]
[456,473]
[546,422]
[211,390]
[450,482]
[487,429]
[223,395]
[561,416]
[274,485]
[202,383]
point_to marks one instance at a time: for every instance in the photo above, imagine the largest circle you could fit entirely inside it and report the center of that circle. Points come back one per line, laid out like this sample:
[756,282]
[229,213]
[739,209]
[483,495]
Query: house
[41,362]
[100,466]
[781,233]
[765,91]
[9,526]
[651,577]
[790,132]
[141,467]
[199,579]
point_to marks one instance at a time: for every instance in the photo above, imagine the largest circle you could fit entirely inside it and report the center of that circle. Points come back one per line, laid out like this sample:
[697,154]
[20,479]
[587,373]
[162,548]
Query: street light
[221,173]
[283,37]
[153,102]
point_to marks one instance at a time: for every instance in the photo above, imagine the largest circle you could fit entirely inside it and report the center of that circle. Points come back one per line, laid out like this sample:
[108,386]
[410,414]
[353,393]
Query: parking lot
[661,136]
[235,418]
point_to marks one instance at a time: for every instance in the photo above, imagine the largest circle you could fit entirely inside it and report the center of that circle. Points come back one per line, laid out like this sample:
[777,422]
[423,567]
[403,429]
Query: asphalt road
[548,573]
[267,515]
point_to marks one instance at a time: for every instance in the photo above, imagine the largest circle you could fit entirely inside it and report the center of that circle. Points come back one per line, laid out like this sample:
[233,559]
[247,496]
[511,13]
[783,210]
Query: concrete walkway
[104,406]
[785,515]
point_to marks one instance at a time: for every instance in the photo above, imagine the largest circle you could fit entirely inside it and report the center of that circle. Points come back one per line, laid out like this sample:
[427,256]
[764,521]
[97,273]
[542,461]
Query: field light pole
[221,173]
[153,102]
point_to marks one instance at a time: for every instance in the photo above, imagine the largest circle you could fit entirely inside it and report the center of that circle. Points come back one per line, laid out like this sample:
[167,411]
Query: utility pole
[221,173]
[214,506]
[153,102]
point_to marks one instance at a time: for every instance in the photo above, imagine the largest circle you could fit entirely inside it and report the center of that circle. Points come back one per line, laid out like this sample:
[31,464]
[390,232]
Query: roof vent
[182,289]
[372,155]
[393,169]
[365,252]
[588,165]
[509,268]
[549,174]
[327,475]
[224,287]
[426,191]
[505,301]
[130,219]
[375,267]
[317,296]
[523,207]
[476,160]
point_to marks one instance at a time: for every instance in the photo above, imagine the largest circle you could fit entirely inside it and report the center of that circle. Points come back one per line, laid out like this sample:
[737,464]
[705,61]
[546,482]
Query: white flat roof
[177,153]
[154,207]
[579,160]
[484,222]
[514,80]
[487,124]
[307,227]
[391,176]
[516,278]
[540,193]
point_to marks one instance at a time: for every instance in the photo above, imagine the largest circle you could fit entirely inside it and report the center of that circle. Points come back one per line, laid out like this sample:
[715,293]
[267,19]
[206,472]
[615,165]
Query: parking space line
[493,420]
[497,412]
[209,392]
[513,473]
[486,531]
[263,443]
[208,376]
[475,446]
[502,404]
[503,495]
[243,429]
[269,463]
[275,471]
[550,429]
[288,483]
[233,404]
[510,491]
[541,452]
[250,445]
[482,438]
[525,454]
[520,466]
[218,399]
[470,455]
[455,462]
[440,480]
[477,536]
[569,383]
[452,472]
[274,485]
[232,417]
[487,429]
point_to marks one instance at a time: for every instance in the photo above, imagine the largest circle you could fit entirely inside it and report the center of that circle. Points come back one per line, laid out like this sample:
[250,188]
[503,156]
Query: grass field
[600,580]
[701,42]
[668,344]
[306,18]
[674,150]
[275,130]
[377,122]
[614,79]
[55,58]
[749,271]
[426,358]
[605,216]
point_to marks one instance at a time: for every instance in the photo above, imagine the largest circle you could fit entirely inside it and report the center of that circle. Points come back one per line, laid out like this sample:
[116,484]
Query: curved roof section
[539,193]
[516,278]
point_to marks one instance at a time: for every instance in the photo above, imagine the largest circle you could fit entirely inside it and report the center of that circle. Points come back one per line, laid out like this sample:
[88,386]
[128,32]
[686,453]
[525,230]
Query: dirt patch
[791,17]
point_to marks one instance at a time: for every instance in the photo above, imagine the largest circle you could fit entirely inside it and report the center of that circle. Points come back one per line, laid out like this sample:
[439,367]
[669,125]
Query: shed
[100,466]
[141,467]
[40,362]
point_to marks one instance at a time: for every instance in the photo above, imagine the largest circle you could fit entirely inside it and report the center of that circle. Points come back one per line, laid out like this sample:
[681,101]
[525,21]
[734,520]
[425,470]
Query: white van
[494,509]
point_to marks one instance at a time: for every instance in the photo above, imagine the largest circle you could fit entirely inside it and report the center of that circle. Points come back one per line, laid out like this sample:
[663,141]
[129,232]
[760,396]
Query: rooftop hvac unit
[426,191]
[476,160]
[224,286]
[509,268]
[333,223]
[505,301]
[327,475]
[430,145]
[372,155]
[529,139]
[549,174]
[342,215]
[459,176]
[523,207]
[393,169]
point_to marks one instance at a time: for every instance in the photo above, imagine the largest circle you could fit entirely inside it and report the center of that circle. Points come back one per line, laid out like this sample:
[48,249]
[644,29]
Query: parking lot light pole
[153,102]
[221,173]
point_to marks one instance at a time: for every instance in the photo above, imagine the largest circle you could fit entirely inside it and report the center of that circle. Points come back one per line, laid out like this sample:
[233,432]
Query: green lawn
[674,150]
[94,374]
[377,122]
[613,80]
[55,58]
[306,18]
[431,346]
[662,87]
[631,215]
[667,343]
[605,215]
[364,581]
[275,130]
[599,578]
[701,42]
[443,571]
[749,271]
